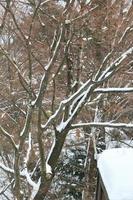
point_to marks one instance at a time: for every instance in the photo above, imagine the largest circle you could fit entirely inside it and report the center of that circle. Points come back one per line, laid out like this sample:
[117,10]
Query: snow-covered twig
[14,65]
[6,169]
[81,101]
[128,29]
[26,127]
[42,4]
[27,122]
[107,73]
[8,136]
[35,189]
[29,149]
[6,187]
[113,90]
[103,64]
[35,186]
[85,90]
[82,16]
[67,102]
[9,115]
[103,124]
[43,84]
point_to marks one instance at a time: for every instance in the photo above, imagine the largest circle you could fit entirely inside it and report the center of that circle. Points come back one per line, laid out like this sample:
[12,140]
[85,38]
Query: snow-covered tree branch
[103,124]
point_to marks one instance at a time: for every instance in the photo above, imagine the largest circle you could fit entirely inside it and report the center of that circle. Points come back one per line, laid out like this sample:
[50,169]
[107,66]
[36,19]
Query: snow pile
[115,166]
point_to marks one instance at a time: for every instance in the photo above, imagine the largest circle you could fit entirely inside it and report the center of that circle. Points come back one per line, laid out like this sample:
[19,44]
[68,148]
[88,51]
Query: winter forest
[66,94]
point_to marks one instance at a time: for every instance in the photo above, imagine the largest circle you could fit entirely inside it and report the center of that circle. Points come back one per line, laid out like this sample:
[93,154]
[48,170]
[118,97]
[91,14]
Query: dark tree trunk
[52,161]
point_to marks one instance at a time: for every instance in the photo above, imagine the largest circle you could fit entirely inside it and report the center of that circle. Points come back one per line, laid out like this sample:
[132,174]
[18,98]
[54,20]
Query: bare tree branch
[45,77]
[8,136]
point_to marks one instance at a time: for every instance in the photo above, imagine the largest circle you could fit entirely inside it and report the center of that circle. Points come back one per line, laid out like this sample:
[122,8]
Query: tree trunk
[52,161]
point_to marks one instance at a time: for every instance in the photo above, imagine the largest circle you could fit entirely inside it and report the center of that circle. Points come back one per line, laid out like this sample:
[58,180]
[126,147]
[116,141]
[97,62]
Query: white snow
[87,39]
[51,150]
[35,189]
[110,69]
[128,4]
[82,90]
[125,89]
[48,169]
[28,150]
[62,3]
[103,124]
[115,166]
[35,186]
[67,21]
[61,126]
[7,169]
[87,1]
[113,1]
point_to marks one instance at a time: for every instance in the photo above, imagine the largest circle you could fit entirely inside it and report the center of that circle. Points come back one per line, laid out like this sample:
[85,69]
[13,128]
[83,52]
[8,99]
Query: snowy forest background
[66,94]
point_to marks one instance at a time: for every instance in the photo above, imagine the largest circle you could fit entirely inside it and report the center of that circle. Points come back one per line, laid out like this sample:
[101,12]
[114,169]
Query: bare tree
[60,65]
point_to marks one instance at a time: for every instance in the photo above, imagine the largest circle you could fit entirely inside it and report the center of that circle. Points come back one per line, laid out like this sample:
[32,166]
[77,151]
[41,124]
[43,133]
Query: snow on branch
[27,122]
[43,84]
[42,4]
[82,16]
[107,73]
[78,104]
[35,186]
[48,171]
[103,124]
[29,149]
[68,101]
[6,169]
[8,136]
[23,81]
[24,173]
[78,99]
[4,189]
[113,90]
[128,29]
[35,189]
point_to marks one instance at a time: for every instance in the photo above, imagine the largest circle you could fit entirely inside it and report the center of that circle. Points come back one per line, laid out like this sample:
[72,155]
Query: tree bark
[52,161]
